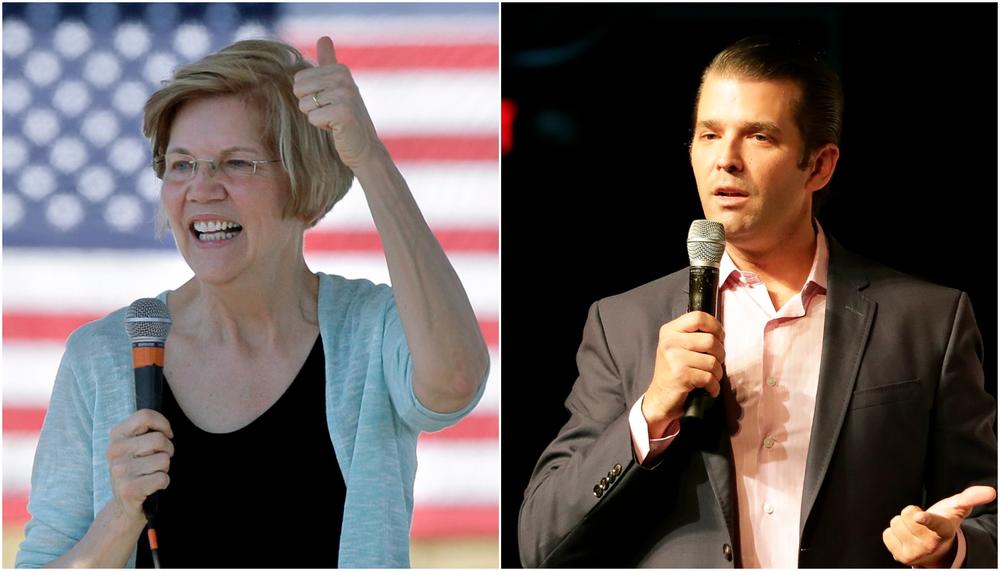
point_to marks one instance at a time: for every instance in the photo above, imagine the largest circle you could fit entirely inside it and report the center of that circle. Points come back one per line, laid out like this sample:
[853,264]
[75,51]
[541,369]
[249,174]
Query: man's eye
[761,137]
[709,136]
[179,166]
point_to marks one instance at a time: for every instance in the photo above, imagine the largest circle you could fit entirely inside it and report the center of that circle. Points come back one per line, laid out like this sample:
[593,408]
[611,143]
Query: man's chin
[733,223]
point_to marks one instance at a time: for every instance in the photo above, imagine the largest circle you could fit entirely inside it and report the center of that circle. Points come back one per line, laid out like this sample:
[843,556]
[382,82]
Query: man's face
[745,156]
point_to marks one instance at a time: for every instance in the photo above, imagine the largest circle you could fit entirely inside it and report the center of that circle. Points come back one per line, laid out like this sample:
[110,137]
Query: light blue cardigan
[372,414]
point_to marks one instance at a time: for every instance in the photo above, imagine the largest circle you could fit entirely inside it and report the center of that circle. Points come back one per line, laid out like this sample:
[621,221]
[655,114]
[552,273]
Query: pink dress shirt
[772,363]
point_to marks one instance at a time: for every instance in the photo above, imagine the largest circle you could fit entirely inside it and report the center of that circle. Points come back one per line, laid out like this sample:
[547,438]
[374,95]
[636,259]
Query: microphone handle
[149,387]
[149,394]
[703,291]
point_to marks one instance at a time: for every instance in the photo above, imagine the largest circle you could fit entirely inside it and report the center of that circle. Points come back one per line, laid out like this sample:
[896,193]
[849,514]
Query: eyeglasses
[182,168]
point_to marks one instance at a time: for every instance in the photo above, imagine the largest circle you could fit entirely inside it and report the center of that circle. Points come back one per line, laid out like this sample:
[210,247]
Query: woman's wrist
[119,519]
[375,157]
[109,542]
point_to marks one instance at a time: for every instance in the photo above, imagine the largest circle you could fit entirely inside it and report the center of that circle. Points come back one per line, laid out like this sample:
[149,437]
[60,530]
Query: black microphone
[706,242]
[147,322]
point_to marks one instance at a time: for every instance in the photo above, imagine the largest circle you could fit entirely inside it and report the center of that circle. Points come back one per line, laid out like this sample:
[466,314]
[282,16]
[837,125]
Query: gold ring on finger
[316,101]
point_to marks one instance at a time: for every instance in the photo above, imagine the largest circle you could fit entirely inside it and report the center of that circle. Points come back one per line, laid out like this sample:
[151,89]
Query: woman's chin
[214,274]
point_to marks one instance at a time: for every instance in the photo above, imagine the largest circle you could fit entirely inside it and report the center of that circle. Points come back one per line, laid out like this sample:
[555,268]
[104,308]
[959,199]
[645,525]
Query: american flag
[79,197]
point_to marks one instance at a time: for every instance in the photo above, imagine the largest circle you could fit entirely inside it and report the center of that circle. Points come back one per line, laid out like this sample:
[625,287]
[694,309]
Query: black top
[267,495]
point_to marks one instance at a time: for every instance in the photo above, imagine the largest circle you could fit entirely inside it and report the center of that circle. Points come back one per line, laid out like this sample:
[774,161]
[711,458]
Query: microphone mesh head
[706,242]
[147,319]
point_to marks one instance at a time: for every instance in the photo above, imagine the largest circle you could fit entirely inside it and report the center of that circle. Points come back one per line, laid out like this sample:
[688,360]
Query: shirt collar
[728,272]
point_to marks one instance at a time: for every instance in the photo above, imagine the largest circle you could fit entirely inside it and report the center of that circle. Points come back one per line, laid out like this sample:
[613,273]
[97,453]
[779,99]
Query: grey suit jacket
[901,418]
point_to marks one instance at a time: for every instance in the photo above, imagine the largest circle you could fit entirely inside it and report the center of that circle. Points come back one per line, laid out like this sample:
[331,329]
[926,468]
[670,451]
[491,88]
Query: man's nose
[730,157]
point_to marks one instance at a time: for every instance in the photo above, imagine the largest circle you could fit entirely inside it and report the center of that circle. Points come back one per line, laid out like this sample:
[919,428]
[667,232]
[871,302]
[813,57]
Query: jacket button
[727,551]
[617,469]
[598,491]
[612,476]
[603,483]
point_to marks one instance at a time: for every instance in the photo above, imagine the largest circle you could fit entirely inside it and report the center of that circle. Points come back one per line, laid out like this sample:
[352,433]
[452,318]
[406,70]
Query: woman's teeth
[216,230]
[216,236]
[214,225]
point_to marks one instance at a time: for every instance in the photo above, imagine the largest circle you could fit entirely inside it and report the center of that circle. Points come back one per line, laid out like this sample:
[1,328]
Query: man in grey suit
[851,426]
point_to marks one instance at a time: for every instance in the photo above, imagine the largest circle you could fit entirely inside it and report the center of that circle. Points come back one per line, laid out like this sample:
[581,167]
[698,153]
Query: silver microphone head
[706,243]
[147,319]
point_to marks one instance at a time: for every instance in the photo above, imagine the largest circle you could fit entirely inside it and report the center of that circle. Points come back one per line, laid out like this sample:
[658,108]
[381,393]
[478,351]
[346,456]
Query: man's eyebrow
[751,126]
[709,124]
[766,126]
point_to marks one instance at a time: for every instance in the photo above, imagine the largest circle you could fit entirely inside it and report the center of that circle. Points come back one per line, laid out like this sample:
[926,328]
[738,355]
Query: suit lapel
[718,458]
[849,317]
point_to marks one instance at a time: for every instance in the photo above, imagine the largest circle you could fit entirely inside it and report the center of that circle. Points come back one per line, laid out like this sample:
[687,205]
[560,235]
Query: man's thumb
[974,496]
[959,505]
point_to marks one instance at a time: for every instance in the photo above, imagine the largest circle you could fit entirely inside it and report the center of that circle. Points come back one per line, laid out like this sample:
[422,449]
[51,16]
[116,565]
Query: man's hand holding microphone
[689,355]
[690,350]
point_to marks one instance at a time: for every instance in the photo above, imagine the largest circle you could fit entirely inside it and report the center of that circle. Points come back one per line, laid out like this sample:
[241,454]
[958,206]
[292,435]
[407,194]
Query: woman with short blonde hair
[293,399]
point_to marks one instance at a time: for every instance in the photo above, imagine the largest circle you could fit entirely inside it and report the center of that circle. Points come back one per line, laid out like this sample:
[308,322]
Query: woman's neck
[256,313]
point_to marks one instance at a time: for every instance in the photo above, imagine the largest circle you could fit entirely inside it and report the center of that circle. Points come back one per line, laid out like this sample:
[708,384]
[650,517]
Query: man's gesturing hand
[927,538]
[689,355]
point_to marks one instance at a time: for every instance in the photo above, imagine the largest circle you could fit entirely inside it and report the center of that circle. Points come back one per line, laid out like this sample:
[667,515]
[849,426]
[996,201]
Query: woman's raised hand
[330,98]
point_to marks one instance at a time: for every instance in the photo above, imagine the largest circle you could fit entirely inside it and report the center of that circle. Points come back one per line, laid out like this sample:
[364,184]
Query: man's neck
[783,265]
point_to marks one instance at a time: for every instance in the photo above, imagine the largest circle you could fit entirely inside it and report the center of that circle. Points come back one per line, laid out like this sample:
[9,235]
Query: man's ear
[821,166]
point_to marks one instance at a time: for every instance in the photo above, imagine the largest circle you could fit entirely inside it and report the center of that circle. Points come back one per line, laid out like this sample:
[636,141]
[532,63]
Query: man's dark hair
[818,113]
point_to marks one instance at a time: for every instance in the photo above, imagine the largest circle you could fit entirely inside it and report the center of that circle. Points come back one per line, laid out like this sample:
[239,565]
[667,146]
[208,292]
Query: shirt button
[768,442]
[771,381]
[768,508]
[727,552]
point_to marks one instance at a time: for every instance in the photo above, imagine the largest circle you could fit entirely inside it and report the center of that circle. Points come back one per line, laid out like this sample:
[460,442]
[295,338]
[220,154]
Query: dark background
[598,192]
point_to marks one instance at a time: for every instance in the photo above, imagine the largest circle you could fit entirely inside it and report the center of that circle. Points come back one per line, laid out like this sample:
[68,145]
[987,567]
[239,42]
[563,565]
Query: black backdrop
[598,192]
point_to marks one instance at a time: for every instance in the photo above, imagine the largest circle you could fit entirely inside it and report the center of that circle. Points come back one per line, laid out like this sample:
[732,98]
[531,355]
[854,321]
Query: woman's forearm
[447,347]
[108,543]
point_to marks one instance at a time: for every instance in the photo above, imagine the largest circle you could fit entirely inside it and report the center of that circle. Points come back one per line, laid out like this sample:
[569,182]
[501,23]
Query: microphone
[147,322]
[705,244]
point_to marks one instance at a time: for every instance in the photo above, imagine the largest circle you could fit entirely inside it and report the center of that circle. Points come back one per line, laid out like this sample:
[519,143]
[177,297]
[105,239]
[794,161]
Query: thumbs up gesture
[329,97]
[926,538]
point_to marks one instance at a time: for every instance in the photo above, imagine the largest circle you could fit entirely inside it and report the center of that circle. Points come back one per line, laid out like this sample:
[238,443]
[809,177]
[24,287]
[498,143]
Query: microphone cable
[153,547]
